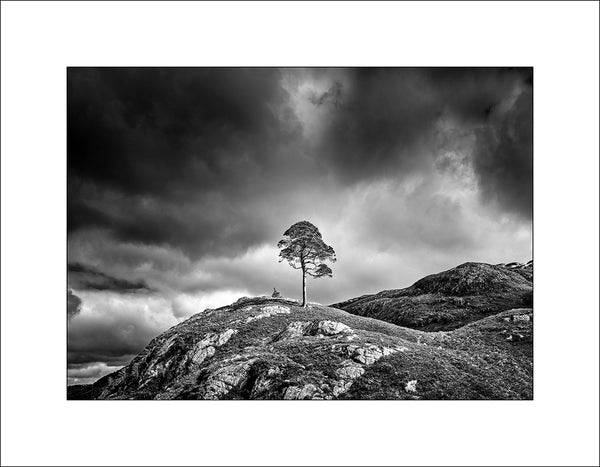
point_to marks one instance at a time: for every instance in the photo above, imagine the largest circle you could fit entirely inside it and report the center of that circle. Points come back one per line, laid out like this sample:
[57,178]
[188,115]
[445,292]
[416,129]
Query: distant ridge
[450,299]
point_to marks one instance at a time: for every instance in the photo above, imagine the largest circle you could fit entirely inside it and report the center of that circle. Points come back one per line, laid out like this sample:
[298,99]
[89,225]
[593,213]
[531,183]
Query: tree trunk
[304,302]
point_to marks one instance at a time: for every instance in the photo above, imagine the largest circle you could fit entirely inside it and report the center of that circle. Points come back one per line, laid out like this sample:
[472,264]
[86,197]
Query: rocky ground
[270,348]
[450,299]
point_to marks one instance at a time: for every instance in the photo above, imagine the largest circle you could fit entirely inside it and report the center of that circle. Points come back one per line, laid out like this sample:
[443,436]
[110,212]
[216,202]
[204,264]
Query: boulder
[226,378]
[349,370]
[205,348]
[294,330]
[324,328]
[331,328]
[308,391]
[264,382]
[267,311]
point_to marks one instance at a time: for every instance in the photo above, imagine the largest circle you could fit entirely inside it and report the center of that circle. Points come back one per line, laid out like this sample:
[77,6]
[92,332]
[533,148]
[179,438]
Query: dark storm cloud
[387,122]
[87,278]
[134,129]
[504,162]
[165,155]
[73,304]
[200,158]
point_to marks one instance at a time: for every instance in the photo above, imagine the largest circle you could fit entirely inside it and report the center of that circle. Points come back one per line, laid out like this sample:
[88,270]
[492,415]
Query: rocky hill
[450,299]
[265,348]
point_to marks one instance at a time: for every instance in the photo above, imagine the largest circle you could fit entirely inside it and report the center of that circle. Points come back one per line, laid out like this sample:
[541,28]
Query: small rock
[350,370]
[206,347]
[225,379]
[294,330]
[323,328]
[341,386]
[158,366]
[264,383]
[332,328]
[225,336]
[515,337]
[308,391]
[291,393]
[269,311]
[521,318]
[202,354]
[368,354]
[411,386]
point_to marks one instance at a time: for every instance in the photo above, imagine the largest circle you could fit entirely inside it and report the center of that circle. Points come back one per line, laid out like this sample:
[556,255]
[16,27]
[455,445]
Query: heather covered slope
[488,359]
[264,348]
[450,299]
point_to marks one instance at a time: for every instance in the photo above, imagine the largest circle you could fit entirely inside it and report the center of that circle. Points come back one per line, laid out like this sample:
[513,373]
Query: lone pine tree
[304,248]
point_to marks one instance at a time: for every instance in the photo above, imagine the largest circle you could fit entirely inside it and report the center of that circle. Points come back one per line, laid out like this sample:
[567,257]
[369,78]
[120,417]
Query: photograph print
[299,233]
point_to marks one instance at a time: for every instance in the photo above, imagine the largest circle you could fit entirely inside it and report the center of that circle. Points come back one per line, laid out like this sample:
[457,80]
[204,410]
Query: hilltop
[450,299]
[265,348]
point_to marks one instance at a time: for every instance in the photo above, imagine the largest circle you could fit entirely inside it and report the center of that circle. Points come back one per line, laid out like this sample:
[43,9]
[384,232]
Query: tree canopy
[303,248]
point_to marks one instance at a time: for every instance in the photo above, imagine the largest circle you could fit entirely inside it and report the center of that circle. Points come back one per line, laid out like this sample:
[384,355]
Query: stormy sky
[181,182]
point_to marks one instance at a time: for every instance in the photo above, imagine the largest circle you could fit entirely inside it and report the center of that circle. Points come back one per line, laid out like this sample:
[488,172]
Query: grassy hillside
[450,299]
[488,359]
[263,348]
